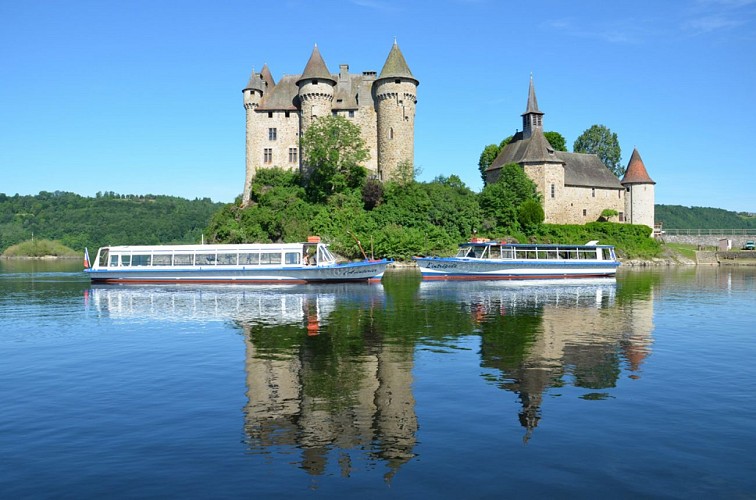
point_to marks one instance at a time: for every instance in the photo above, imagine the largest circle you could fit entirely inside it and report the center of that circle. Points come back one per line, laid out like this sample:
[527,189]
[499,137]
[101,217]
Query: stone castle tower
[639,192]
[383,107]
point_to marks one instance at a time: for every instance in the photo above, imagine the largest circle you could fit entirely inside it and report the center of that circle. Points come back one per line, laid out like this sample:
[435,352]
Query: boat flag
[86,258]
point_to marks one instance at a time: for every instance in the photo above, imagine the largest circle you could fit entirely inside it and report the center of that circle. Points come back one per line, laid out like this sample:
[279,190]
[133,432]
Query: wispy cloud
[375,4]
[709,16]
[626,32]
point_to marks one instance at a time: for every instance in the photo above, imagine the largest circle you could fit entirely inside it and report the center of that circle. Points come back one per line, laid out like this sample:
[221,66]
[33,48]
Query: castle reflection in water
[329,369]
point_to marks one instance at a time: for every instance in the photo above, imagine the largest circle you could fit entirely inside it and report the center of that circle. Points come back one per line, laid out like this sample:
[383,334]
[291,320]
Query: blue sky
[144,97]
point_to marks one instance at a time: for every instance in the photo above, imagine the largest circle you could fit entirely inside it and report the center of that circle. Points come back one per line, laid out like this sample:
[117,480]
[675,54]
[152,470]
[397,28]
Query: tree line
[679,217]
[107,219]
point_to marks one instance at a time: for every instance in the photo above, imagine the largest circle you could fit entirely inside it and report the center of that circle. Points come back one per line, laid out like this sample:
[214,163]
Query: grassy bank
[40,248]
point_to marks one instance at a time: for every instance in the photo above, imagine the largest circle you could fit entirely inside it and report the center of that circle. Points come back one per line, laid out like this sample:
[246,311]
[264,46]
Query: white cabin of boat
[311,253]
[481,248]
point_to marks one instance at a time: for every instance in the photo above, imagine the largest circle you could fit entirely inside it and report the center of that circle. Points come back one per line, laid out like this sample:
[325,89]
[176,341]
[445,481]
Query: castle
[575,188]
[382,105]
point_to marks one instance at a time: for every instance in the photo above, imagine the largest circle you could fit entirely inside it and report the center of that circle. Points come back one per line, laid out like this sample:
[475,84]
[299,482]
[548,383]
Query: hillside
[679,217]
[107,219]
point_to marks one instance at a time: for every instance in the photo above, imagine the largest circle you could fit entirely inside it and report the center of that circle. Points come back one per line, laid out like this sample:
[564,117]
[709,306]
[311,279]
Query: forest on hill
[107,219]
[679,217]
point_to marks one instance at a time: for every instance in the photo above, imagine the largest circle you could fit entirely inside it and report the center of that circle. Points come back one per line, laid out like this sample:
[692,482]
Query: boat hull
[472,269]
[339,273]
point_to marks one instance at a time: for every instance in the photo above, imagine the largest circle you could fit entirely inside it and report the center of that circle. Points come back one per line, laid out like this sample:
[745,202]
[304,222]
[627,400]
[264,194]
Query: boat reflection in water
[542,339]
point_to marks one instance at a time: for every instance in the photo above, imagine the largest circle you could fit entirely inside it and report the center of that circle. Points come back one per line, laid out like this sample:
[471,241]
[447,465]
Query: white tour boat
[482,259]
[309,262]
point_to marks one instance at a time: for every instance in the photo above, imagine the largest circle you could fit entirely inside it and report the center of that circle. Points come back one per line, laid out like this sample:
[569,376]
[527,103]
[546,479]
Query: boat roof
[208,248]
[591,244]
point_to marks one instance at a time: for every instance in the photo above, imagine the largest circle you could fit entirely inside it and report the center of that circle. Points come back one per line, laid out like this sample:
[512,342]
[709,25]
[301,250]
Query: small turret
[639,192]
[316,89]
[395,92]
[258,85]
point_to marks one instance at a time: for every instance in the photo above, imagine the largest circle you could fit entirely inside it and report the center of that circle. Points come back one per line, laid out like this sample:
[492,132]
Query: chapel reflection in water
[329,368]
[536,338]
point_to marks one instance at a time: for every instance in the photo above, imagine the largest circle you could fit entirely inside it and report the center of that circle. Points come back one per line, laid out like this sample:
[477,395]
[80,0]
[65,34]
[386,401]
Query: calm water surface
[640,388]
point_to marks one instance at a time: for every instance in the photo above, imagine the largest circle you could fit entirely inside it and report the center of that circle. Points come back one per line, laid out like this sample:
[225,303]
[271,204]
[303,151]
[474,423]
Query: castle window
[292,155]
[585,212]
[270,114]
[622,216]
[351,113]
[268,155]
[391,133]
[627,189]
[314,82]
[593,192]
[553,191]
[272,134]
[397,81]
[286,114]
[335,113]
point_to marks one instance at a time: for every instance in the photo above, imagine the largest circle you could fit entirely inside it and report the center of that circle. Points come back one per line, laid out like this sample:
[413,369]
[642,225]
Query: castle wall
[579,205]
[571,204]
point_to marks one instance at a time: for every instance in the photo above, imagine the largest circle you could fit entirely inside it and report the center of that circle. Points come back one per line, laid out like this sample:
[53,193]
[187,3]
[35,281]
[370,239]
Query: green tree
[601,141]
[530,216]
[500,202]
[556,140]
[333,151]
[487,157]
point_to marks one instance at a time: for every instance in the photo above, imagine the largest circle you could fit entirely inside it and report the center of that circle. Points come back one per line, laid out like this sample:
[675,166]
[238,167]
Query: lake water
[641,388]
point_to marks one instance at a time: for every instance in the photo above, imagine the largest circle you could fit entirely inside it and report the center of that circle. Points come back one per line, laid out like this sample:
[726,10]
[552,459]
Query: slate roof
[584,170]
[395,66]
[587,170]
[255,82]
[636,171]
[532,106]
[316,67]
[283,96]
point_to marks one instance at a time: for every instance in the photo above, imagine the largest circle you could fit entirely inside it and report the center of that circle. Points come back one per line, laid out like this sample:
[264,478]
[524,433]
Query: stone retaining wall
[707,241]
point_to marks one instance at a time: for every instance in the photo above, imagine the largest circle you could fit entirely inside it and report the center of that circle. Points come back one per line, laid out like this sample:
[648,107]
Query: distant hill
[679,217]
[107,219]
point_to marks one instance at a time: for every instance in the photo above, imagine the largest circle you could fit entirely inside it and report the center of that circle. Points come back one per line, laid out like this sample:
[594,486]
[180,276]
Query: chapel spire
[532,118]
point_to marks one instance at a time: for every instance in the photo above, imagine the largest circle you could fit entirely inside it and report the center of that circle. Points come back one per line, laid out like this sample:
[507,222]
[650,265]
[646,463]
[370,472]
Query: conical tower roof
[636,171]
[267,76]
[395,65]
[532,106]
[316,68]
[255,82]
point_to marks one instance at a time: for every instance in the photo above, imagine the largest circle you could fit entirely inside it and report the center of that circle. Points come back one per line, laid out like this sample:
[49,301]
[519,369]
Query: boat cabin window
[113,261]
[161,260]
[249,259]
[291,257]
[204,259]
[183,259]
[125,260]
[104,257]
[270,258]
[507,253]
[141,260]
[227,259]
[494,252]
[462,252]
